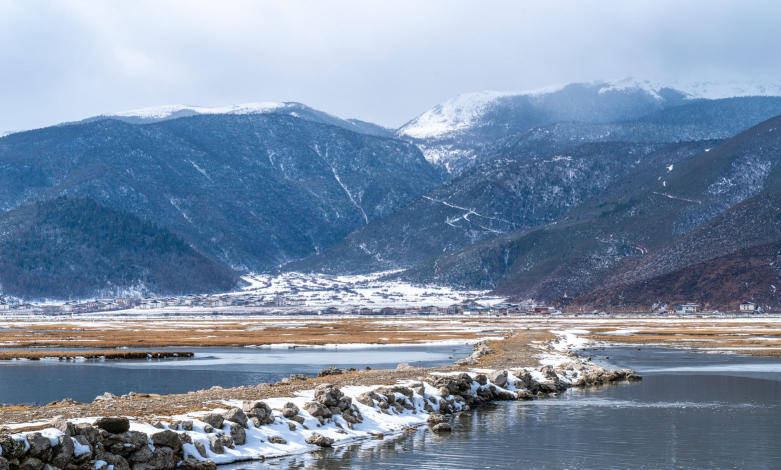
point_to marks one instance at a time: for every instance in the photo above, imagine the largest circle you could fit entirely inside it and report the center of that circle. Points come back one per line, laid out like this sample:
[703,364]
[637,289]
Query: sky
[384,62]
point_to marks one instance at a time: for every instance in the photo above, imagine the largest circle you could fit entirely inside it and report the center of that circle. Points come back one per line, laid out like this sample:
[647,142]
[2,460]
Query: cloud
[379,61]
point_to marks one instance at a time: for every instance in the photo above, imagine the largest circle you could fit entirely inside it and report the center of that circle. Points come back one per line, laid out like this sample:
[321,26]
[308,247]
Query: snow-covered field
[322,290]
[288,293]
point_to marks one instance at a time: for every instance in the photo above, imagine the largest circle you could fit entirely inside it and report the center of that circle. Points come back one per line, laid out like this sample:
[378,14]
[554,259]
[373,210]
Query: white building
[687,308]
[748,307]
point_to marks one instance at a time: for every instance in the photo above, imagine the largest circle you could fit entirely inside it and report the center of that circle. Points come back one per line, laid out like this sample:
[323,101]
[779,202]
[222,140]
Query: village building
[455,309]
[748,307]
[687,308]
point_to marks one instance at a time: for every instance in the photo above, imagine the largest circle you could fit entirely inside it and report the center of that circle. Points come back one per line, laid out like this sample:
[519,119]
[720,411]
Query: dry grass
[753,338]
[161,333]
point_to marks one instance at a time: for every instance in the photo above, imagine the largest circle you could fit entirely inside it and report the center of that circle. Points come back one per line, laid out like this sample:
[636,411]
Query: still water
[45,381]
[692,410]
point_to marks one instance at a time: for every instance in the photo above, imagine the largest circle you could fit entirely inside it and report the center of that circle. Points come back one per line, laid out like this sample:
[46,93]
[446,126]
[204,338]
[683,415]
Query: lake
[39,382]
[692,410]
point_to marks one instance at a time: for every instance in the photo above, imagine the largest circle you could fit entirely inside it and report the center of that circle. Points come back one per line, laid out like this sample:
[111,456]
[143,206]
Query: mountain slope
[750,274]
[75,247]
[252,190]
[499,197]
[598,241]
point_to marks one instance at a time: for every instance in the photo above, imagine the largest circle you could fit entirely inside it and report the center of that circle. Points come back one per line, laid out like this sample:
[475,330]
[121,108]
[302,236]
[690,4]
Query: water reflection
[46,381]
[710,419]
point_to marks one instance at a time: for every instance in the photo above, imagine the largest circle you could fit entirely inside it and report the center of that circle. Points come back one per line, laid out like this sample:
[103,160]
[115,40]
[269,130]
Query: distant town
[253,303]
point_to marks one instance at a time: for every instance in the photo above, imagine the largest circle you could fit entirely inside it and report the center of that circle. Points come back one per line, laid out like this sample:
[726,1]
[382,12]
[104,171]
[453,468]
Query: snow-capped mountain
[167,111]
[288,108]
[464,130]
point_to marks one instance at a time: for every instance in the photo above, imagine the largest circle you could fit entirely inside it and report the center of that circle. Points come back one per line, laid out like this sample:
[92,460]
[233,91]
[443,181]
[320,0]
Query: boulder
[260,410]
[106,397]
[31,463]
[238,434]
[436,418]
[186,425]
[125,443]
[191,463]
[142,455]
[214,420]
[319,440]
[317,409]
[391,391]
[63,425]
[445,407]
[526,380]
[290,410]
[277,440]
[504,395]
[162,459]
[368,398]
[40,446]
[481,379]
[480,349]
[330,371]
[418,388]
[499,378]
[549,372]
[405,366]
[167,438]
[352,415]
[82,450]
[218,443]
[441,428]
[236,415]
[117,461]
[298,419]
[200,448]
[114,425]
[460,384]
[328,395]
[12,449]
[64,453]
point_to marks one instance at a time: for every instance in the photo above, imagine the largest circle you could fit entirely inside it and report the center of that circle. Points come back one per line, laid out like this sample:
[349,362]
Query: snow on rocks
[480,349]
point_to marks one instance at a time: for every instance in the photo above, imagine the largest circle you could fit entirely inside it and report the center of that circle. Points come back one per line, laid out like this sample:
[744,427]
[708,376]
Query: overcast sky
[380,61]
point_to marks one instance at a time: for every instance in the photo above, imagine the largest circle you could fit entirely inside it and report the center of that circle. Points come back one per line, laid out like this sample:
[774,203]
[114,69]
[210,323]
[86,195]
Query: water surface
[38,382]
[719,412]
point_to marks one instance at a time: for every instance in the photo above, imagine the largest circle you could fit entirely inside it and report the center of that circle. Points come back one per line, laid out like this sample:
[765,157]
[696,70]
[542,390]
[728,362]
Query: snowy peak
[287,108]
[455,114]
[167,111]
[467,110]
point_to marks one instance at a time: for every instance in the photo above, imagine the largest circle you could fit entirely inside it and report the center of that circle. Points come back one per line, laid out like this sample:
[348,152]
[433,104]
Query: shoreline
[89,355]
[337,410]
[755,335]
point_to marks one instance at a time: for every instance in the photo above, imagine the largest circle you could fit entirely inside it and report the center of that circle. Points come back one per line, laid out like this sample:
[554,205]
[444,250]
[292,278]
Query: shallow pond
[49,380]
